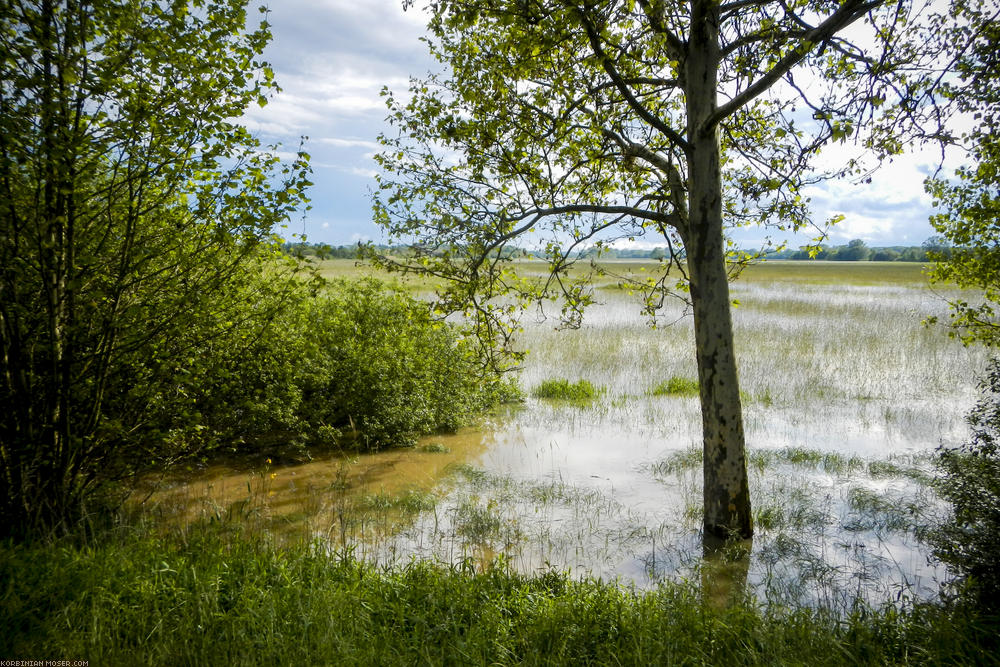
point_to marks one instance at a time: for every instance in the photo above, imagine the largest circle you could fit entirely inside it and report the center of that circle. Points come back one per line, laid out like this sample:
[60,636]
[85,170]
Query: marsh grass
[676,386]
[843,389]
[581,391]
[411,501]
[832,529]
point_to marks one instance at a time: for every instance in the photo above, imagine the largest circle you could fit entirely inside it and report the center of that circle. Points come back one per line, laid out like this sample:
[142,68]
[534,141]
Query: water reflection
[724,570]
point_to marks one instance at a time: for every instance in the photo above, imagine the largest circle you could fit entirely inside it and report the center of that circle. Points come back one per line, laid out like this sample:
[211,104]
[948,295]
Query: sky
[332,59]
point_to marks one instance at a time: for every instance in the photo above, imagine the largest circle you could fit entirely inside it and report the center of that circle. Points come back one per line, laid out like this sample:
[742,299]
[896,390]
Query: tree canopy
[969,219]
[137,215]
[570,123]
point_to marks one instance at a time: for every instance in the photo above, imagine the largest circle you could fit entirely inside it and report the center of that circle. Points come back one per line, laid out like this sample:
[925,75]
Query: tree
[572,122]
[966,253]
[855,251]
[135,233]
[885,255]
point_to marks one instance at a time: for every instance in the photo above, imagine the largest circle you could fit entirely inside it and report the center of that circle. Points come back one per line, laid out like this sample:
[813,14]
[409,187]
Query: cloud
[349,143]
[892,208]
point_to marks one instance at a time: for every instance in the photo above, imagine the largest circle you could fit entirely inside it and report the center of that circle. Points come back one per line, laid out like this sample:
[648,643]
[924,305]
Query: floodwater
[846,397]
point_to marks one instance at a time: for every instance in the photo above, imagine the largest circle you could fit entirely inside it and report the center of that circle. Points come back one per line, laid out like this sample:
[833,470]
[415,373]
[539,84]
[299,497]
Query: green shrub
[969,542]
[375,364]
[354,362]
[560,388]
[676,386]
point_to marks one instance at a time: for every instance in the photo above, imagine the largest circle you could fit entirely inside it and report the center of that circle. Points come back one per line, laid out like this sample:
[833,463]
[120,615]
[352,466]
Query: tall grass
[218,597]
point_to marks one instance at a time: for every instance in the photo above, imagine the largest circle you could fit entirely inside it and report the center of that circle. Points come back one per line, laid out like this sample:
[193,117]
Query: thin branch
[676,46]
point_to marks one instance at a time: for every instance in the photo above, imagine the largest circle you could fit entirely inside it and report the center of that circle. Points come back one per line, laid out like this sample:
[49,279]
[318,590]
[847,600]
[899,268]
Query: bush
[359,363]
[561,388]
[969,541]
[382,367]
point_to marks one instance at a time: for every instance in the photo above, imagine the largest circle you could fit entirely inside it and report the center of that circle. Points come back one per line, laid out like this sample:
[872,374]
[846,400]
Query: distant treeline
[857,251]
[854,251]
[322,250]
[326,251]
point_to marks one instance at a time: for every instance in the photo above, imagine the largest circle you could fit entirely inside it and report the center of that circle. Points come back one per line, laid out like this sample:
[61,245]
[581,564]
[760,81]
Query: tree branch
[847,14]
[642,111]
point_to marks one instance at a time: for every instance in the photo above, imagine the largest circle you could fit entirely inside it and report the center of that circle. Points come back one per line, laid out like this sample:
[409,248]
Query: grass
[216,597]
[676,386]
[802,272]
[410,501]
[564,390]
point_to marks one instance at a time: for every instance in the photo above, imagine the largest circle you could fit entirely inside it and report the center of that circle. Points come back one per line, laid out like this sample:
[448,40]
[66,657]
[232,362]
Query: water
[838,370]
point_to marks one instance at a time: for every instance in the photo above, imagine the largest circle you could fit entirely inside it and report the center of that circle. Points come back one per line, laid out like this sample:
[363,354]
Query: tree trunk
[726,491]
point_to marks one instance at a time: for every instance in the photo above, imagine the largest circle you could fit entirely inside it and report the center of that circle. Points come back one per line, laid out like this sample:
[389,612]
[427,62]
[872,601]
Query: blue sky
[333,57]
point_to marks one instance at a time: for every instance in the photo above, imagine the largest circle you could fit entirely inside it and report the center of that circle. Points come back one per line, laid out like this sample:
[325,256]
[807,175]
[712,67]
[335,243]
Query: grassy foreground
[211,597]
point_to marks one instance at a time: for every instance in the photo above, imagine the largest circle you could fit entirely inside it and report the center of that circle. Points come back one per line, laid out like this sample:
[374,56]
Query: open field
[846,396]
[799,272]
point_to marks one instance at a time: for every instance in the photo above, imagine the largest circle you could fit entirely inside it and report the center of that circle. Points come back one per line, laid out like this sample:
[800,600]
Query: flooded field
[846,396]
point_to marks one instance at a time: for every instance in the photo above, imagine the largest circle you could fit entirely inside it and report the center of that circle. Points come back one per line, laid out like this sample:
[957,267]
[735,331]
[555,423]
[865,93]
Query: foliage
[970,206]
[859,252]
[212,598]
[676,386]
[378,365]
[137,215]
[561,388]
[969,542]
[348,363]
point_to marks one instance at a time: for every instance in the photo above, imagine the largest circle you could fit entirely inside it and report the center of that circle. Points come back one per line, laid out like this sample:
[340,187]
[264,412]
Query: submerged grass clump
[563,389]
[676,386]
[408,502]
[434,448]
[877,511]
[833,463]
[678,462]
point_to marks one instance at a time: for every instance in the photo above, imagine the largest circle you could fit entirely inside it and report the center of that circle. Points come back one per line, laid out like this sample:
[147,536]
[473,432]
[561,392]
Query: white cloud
[349,143]
[364,173]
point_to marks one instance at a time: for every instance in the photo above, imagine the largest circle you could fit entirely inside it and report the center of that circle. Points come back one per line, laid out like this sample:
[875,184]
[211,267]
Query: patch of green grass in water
[803,457]
[910,470]
[563,389]
[685,387]
[877,511]
[482,523]
[676,386]
[678,462]
[407,502]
